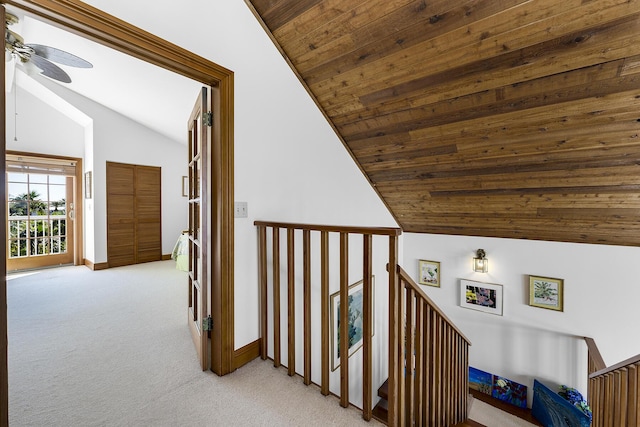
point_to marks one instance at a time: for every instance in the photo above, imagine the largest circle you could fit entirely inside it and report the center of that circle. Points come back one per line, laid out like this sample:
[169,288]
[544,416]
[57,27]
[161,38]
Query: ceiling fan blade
[60,56]
[50,69]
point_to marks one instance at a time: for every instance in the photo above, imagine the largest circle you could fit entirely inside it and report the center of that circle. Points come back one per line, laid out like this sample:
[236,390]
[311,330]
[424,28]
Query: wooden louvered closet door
[134,232]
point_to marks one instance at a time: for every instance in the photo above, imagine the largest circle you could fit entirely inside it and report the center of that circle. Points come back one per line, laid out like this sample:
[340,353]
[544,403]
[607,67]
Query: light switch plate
[240,210]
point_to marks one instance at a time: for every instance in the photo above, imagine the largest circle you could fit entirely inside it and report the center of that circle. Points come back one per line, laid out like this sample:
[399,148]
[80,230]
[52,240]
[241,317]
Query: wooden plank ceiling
[504,118]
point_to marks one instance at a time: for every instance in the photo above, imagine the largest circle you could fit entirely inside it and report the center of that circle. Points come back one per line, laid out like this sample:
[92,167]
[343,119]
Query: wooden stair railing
[429,384]
[428,373]
[614,392]
[290,230]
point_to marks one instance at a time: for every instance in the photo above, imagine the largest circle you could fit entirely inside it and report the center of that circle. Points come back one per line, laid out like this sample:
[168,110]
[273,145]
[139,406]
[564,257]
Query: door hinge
[207,119]
[207,323]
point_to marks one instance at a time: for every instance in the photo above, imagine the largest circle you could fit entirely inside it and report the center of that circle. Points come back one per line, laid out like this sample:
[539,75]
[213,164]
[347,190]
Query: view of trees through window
[37,214]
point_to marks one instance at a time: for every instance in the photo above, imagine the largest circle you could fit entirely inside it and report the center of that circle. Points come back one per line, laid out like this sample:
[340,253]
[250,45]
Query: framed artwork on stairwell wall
[479,296]
[429,273]
[356,320]
[546,292]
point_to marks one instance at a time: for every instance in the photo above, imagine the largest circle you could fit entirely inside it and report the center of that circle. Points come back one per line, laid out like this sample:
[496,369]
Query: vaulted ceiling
[504,118]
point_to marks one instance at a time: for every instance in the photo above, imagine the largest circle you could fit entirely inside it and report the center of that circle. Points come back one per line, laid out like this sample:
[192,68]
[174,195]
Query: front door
[198,308]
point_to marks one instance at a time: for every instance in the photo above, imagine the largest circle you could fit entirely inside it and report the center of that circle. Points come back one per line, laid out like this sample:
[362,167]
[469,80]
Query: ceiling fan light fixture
[41,57]
[30,68]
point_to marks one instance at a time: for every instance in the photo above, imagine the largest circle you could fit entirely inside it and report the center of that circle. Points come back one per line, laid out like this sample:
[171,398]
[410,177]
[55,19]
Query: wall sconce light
[480,262]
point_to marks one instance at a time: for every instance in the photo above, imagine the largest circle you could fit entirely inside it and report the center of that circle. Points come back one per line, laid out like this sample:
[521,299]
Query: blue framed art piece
[356,320]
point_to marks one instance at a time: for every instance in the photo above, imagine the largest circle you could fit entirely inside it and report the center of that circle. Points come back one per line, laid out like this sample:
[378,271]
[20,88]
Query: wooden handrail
[375,231]
[630,361]
[410,282]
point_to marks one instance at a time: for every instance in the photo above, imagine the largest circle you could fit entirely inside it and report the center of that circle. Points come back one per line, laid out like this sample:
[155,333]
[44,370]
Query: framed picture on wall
[429,273]
[479,296]
[546,292]
[356,320]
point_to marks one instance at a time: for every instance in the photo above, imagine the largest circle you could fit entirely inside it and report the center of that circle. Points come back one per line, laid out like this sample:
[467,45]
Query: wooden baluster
[419,348]
[435,369]
[395,407]
[262,277]
[466,380]
[306,243]
[446,373]
[598,413]
[632,397]
[324,310]
[457,389]
[636,401]
[591,398]
[622,384]
[439,367]
[609,402]
[427,362]
[344,320]
[367,362]
[408,354]
[276,297]
[291,302]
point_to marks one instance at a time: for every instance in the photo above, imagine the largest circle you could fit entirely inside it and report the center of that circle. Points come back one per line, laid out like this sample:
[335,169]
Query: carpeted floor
[112,348]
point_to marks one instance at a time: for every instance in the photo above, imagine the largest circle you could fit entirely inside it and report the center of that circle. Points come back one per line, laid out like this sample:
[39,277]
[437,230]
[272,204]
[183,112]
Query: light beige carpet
[111,348]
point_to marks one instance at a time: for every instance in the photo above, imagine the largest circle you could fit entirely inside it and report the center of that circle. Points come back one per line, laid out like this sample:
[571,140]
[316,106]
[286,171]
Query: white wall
[529,342]
[40,127]
[43,129]
[289,165]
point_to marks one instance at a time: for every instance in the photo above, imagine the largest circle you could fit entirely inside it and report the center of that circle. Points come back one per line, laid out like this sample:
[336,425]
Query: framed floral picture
[429,273]
[546,292]
[479,296]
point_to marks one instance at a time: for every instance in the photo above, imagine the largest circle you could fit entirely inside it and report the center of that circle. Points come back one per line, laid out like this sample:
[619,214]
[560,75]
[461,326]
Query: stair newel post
[367,268]
[344,319]
[396,339]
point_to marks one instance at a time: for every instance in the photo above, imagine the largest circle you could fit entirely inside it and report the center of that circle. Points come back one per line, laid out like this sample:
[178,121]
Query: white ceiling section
[150,95]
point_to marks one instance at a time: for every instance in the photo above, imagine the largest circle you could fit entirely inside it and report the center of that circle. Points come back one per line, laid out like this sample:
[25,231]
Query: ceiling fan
[40,55]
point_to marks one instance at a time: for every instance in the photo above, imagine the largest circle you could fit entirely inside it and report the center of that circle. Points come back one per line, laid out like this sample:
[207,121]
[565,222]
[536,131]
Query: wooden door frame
[96,25]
